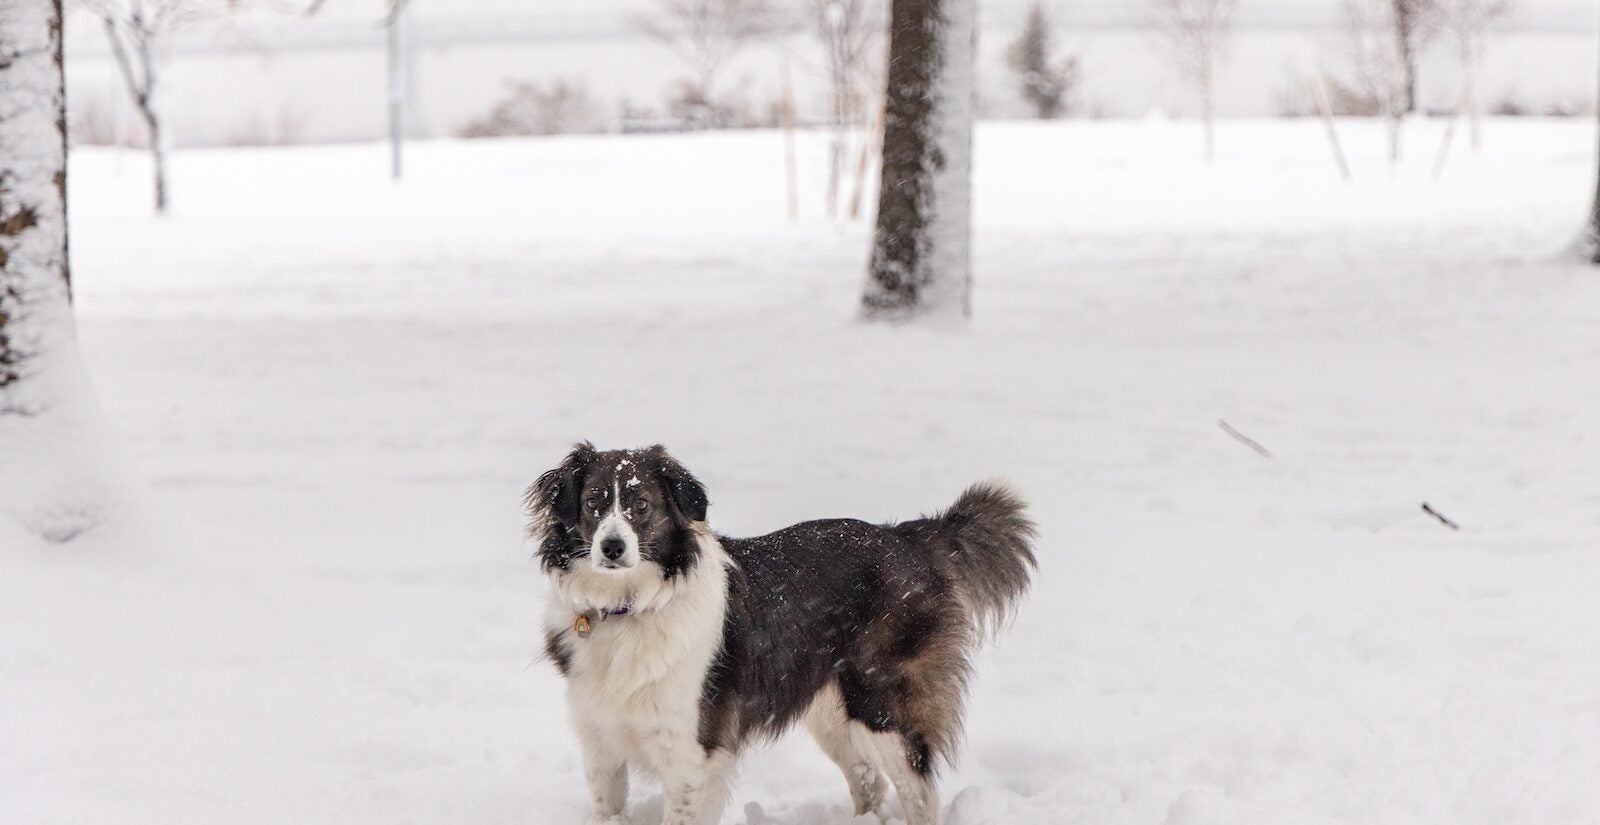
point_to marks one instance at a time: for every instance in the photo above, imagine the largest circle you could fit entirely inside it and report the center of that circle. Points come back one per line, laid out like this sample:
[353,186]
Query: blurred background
[1282,314]
[256,76]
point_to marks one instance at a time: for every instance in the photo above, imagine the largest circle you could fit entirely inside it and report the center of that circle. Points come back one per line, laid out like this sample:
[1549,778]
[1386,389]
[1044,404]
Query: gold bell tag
[581,625]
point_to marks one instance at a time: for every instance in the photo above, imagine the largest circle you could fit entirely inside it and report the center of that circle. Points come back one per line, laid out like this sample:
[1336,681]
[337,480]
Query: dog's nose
[613,548]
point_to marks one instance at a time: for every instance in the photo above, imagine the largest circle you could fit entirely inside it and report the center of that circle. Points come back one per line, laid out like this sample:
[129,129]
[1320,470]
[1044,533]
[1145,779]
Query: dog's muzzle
[615,545]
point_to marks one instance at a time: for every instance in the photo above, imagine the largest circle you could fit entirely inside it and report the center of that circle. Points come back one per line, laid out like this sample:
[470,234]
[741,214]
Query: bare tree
[705,35]
[1046,83]
[528,108]
[1196,34]
[39,366]
[1377,64]
[920,265]
[847,36]
[139,32]
[1469,23]
[1413,23]
[397,63]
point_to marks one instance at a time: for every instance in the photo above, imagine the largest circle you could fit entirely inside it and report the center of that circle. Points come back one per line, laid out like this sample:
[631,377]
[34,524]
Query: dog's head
[620,513]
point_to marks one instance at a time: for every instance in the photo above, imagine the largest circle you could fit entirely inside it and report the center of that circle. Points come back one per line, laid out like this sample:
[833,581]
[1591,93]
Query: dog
[681,647]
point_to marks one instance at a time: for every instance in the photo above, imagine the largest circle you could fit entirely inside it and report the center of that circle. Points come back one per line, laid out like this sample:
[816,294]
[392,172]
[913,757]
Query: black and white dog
[681,646]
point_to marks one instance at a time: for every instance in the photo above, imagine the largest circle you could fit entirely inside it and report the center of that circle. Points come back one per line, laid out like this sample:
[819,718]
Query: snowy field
[321,609]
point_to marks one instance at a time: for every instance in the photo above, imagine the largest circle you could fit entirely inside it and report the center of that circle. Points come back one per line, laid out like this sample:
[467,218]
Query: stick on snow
[1440,516]
[1244,439]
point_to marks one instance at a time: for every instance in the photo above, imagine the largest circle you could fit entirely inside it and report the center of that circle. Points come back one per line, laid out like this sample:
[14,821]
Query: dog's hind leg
[827,723]
[695,784]
[907,765]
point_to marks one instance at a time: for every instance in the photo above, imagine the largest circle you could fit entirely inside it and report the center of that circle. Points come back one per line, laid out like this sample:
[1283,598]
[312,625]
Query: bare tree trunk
[1591,239]
[35,284]
[158,158]
[1405,15]
[1208,110]
[141,72]
[397,90]
[50,479]
[920,263]
[1396,141]
[1410,61]
[1473,106]
[835,155]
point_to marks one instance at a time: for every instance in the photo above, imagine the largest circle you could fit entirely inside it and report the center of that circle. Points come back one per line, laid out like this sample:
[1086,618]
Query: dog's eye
[641,505]
[592,502]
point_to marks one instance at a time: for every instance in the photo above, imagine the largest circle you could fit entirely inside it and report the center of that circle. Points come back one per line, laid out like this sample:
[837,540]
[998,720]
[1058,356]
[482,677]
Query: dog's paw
[596,819]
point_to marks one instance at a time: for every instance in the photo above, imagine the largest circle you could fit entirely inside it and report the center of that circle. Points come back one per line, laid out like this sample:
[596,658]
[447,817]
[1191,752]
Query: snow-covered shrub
[530,108]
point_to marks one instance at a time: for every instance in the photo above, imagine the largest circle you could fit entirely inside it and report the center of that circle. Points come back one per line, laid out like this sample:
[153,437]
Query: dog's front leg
[696,785]
[607,771]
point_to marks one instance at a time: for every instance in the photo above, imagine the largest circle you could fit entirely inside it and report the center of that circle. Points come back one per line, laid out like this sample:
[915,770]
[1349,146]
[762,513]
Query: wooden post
[1319,94]
[791,173]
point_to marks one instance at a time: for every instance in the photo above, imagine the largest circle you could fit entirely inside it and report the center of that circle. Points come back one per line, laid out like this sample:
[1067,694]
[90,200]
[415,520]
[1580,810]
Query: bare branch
[1440,516]
[706,34]
[1244,439]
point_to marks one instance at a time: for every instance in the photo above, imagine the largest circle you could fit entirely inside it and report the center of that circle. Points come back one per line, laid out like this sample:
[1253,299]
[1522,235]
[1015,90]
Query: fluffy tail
[990,549]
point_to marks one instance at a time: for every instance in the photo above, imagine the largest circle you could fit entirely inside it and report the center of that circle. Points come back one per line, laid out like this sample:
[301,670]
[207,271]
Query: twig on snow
[1244,439]
[1440,516]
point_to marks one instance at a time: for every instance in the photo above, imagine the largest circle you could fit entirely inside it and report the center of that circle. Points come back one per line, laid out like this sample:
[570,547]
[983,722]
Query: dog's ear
[553,499]
[687,494]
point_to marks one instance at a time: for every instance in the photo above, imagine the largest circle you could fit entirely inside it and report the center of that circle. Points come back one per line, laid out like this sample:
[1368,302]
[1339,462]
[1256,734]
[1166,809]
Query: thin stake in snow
[790,172]
[1440,516]
[1244,439]
[397,59]
[870,148]
[1319,94]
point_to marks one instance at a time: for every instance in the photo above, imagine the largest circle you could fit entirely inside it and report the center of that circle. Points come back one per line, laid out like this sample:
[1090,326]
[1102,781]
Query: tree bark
[35,283]
[53,482]
[920,264]
[158,158]
[1405,12]
[1591,240]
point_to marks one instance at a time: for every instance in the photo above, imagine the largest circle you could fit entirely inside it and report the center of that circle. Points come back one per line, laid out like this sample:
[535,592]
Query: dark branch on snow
[1244,439]
[1440,516]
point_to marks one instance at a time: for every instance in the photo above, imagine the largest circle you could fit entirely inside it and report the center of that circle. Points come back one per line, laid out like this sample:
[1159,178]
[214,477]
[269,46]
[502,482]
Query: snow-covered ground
[322,610]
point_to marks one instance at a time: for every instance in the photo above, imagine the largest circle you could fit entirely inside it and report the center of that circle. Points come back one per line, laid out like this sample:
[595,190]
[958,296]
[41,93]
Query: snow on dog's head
[615,528]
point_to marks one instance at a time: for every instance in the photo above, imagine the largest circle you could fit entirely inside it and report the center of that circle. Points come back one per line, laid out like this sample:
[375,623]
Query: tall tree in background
[921,263]
[705,35]
[1045,83]
[42,400]
[139,33]
[1196,33]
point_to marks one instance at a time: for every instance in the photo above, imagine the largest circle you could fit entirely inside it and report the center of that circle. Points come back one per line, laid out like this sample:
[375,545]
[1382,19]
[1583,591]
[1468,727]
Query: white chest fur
[635,682]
